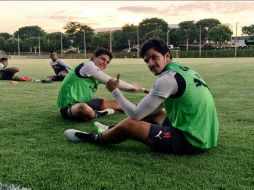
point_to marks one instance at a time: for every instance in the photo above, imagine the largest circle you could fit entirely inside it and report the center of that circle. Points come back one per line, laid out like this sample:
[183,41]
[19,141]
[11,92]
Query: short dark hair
[100,51]
[3,59]
[52,51]
[157,44]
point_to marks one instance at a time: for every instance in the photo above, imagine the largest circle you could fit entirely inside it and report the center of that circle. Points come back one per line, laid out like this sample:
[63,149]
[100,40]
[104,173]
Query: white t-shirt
[165,86]
[59,65]
[89,69]
[2,67]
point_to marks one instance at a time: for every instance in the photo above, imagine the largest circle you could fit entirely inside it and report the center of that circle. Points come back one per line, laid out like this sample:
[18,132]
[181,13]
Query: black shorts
[57,78]
[167,139]
[95,104]
[7,74]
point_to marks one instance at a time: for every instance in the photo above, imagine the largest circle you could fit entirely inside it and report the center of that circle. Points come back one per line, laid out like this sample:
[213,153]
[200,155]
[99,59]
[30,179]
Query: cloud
[64,16]
[218,7]
[139,9]
[234,7]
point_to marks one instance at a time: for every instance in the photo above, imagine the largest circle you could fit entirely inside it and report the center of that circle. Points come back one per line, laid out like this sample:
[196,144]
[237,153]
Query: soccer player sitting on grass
[76,96]
[189,123]
[60,68]
[8,73]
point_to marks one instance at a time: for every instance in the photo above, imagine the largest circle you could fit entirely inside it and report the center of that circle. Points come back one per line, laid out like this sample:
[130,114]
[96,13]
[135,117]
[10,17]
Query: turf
[35,154]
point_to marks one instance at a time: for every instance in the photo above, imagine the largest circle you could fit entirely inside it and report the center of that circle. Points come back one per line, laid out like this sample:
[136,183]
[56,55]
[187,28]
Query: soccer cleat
[24,78]
[100,128]
[46,81]
[75,135]
[36,80]
[107,111]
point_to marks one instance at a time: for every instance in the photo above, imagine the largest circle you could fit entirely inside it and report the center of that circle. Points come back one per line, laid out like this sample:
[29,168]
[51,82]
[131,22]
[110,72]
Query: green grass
[35,154]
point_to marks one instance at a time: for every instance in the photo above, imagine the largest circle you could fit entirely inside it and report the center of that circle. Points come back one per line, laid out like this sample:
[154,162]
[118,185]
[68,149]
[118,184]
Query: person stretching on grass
[189,125]
[60,68]
[8,73]
[76,96]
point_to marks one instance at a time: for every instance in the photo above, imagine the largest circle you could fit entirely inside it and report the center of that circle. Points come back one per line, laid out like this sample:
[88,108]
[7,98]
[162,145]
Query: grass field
[35,154]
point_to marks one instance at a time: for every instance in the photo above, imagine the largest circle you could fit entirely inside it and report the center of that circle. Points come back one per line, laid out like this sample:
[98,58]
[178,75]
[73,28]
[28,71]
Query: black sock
[90,137]
[111,126]
[100,113]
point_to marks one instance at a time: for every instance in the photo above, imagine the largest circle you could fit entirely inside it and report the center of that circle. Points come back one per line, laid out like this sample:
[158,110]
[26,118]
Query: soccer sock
[111,126]
[90,137]
[100,113]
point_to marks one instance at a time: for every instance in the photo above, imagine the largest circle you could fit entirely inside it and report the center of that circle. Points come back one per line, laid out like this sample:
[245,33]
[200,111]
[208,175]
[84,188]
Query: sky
[52,16]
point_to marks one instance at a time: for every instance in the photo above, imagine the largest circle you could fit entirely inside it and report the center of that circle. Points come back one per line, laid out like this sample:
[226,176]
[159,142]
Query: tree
[76,32]
[117,42]
[209,23]
[206,25]
[248,30]
[129,35]
[5,35]
[54,41]
[220,34]
[175,37]
[2,41]
[11,45]
[189,30]
[156,33]
[147,25]
[29,31]
[101,39]
[30,44]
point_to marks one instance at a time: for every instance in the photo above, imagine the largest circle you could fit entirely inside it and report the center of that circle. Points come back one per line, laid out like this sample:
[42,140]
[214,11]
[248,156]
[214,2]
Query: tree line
[188,32]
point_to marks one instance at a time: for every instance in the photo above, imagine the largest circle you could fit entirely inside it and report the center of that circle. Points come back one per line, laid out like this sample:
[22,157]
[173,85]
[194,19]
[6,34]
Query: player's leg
[128,128]
[82,111]
[49,79]
[101,104]
[162,138]
[157,118]
[62,73]
[112,104]
[14,69]
[165,139]
[60,76]
[8,75]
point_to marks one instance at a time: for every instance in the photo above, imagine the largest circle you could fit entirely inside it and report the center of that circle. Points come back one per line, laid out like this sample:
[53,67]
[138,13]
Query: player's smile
[102,61]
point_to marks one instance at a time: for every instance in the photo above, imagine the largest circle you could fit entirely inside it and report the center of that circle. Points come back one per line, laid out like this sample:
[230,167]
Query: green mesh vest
[194,112]
[76,90]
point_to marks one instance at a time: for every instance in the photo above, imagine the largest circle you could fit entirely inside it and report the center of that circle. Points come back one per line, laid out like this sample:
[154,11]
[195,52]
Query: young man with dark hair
[76,96]
[8,73]
[189,124]
[60,68]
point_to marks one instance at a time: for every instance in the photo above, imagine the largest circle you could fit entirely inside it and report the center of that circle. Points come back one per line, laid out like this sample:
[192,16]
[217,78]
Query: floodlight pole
[18,46]
[85,43]
[236,38]
[110,42]
[199,41]
[137,42]
[167,36]
[39,46]
[61,45]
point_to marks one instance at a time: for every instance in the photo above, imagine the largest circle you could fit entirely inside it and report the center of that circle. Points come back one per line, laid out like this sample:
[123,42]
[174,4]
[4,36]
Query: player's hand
[139,89]
[112,84]
[145,90]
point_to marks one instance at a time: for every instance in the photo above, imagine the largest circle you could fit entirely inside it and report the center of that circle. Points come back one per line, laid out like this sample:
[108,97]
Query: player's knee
[125,126]
[16,69]
[13,70]
[116,105]
[84,109]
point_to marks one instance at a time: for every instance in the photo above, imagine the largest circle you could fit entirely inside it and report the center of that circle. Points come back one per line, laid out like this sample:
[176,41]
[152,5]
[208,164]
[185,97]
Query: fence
[174,53]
